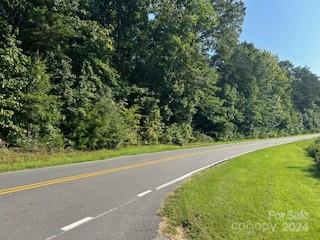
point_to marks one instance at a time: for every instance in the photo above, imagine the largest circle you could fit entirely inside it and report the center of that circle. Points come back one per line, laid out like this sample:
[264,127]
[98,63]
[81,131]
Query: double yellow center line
[94,174]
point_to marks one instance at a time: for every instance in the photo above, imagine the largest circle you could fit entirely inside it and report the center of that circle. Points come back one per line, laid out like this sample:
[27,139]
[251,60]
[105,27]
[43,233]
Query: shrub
[3,144]
[178,134]
[201,137]
[131,120]
[314,150]
[152,126]
[103,126]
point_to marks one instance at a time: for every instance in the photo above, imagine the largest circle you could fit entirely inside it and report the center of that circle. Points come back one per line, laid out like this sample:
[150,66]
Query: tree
[13,74]
[306,89]
[92,74]
[226,34]
[178,64]
[264,87]
[40,113]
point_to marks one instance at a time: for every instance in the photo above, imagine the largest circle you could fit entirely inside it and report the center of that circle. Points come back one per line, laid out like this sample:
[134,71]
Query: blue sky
[288,28]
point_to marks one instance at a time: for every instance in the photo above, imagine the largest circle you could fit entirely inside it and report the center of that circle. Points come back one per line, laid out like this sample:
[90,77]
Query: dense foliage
[314,150]
[93,74]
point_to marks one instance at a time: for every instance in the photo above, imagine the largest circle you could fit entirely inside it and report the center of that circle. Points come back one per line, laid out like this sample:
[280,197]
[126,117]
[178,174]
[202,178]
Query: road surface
[115,199]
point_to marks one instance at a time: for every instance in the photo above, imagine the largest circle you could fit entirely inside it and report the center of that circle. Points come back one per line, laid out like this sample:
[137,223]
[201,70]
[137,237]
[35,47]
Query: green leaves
[13,71]
[264,90]
[95,74]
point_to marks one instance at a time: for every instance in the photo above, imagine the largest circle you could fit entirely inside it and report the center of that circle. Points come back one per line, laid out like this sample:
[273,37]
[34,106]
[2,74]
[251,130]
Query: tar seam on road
[101,172]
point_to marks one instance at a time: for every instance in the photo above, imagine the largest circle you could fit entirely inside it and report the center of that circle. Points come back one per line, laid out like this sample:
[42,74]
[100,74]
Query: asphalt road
[114,199]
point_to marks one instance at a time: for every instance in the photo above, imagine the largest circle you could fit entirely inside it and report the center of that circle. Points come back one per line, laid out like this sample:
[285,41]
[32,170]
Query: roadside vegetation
[269,194]
[314,150]
[92,74]
[18,159]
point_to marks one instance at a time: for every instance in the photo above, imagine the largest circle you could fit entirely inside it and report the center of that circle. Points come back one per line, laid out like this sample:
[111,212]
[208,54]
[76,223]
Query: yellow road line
[96,173]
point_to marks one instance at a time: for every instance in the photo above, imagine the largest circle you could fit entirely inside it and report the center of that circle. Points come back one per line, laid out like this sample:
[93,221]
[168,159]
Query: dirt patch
[166,232]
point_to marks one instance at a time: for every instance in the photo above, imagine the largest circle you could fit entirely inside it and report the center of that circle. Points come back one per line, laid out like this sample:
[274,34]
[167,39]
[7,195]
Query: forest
[94,74]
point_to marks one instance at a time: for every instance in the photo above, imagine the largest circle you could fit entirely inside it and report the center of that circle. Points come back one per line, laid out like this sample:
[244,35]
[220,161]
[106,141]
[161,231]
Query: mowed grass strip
[11,160]
[269,194]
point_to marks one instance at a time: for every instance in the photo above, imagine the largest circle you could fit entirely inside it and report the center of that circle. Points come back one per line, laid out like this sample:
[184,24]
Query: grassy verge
[11,160]
[269,194]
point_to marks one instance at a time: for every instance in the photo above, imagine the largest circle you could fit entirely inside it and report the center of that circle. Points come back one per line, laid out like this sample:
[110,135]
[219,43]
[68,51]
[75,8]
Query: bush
[103,126]
[106,125]
[178,134]
[152,126]
[3,144]
[201,137]
[314,150]
[131,120]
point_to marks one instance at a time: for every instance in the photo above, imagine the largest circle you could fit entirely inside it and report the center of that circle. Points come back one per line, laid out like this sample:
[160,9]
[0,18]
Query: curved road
[115,199]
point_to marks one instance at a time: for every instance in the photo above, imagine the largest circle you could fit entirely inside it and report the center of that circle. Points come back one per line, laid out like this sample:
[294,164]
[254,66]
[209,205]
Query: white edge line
[201,169]
[144,193]
[76,224]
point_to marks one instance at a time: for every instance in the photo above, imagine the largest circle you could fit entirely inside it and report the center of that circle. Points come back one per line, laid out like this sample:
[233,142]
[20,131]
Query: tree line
[90,74]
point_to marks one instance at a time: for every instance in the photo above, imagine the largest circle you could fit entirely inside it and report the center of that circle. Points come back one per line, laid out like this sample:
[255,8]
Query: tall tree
[226,34]
[306,89]
[264,87]
[13,75]
[177,69]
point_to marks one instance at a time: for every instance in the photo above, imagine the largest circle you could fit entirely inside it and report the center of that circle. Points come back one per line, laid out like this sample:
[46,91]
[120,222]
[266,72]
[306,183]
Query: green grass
[11,160]
[232,199]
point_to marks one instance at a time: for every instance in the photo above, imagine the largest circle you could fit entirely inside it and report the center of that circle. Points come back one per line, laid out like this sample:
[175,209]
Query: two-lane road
[115,199]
